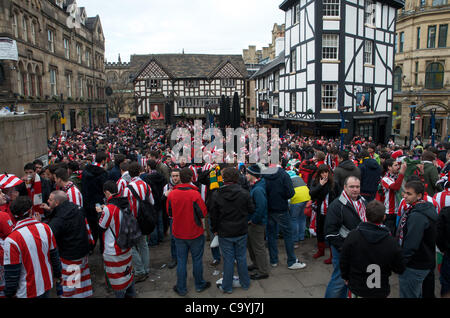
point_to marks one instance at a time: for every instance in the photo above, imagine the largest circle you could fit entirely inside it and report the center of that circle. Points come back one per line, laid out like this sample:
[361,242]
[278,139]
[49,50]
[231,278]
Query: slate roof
[188,65]
[279,60]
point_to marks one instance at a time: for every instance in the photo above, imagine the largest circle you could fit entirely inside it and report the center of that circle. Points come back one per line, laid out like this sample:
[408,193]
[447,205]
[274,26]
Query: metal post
[433,126]
[411,129]
[342,127]
[61,107]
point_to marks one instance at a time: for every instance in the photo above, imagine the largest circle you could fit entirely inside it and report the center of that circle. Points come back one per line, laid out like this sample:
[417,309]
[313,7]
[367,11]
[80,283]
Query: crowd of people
[374,209]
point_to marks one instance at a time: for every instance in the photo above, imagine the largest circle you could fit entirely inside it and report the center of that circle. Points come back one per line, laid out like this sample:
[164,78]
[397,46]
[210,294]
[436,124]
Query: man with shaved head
[68,224]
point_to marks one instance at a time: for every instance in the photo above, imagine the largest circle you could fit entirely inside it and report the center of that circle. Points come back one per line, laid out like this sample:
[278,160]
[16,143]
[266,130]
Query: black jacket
[419,237]
[345,169]
[114,174]
[67,222]
[318,193]
[366,245]
[156,181]
[230,207]
[279,189]
[340,213]
[92,182]
[370,176]
[443,231]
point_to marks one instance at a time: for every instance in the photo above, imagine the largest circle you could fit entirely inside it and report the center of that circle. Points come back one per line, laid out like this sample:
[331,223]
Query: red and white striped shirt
[30,244]
[73,194]
[141,189]
[117,261]
[391,184]
[121,185]
[443,199]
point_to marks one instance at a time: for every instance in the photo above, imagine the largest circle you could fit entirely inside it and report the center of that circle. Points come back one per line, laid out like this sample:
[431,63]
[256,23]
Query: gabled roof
[91,22]
[188,65]
[279,60]
[398,4]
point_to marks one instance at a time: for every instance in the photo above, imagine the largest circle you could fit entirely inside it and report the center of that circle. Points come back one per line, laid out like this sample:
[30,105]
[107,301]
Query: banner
[8,49]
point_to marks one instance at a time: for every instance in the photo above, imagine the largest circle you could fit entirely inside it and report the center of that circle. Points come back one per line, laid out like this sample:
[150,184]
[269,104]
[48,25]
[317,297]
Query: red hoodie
[187,209]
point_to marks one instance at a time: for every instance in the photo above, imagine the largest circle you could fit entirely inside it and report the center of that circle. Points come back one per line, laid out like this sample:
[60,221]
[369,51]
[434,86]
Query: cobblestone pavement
[309,282]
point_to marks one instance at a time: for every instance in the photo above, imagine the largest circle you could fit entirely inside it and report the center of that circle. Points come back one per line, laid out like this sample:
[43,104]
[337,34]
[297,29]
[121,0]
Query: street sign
[63,121]
[417,117]
[344,130]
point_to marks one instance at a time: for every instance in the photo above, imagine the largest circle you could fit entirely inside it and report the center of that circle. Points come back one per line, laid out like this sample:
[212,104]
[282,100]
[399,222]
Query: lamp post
[63,119]
[412,108]
[433,126]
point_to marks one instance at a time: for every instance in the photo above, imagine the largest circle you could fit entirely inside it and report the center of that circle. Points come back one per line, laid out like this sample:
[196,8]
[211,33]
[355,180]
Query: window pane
[418,38]
[431,36]
[443,35]
[331,8]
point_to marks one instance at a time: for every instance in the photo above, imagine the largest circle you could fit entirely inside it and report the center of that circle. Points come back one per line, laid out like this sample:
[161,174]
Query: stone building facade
[422,70]
[60,66]
[118,78]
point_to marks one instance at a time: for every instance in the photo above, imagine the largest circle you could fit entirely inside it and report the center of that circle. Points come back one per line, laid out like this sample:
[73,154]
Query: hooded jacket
[300,188]
[92,182]
[231,206]
[344,170]
[67,222]
[366,245]
[370,176]
[187,209]
[259,196]
[443,231]
[279,190]
[419,237]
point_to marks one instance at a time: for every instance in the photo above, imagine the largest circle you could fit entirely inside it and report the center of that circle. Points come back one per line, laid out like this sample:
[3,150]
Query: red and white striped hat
[9,181]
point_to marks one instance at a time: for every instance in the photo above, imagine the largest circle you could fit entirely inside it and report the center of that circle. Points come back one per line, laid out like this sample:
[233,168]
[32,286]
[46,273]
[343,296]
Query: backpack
[129,232]
[145,213]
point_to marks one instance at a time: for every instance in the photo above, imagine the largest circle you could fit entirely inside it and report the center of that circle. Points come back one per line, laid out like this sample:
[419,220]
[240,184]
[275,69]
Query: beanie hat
[254,170]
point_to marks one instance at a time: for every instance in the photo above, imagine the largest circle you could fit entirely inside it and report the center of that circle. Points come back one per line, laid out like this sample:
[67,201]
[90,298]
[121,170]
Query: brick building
[60,65]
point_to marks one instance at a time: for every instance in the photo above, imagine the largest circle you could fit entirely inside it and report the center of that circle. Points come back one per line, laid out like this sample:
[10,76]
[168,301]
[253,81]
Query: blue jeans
[298,220]
[445,275]
[141,257]
[336,287]
[196,247]
[173,248]
[158,233]
[129,292]
[284,224]
[215,251]
[234,248]
[410,282]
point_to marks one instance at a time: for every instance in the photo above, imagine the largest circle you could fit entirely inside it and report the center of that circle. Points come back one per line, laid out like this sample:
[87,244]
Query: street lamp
[412,108]
[63,119]
[433,125]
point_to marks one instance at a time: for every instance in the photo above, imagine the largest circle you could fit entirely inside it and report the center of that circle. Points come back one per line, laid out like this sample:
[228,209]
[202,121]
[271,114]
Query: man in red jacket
[187,209]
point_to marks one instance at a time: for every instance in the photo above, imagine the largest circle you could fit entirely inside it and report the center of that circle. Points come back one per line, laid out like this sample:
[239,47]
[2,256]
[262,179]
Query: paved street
[309,282]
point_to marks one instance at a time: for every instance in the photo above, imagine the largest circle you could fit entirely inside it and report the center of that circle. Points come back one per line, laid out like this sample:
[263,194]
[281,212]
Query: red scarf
[358,205]
[402,223]
[35,193]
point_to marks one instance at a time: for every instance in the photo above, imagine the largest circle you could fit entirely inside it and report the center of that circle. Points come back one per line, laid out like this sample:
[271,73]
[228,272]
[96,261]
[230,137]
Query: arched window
[15,25]
[398,79]
[434,77]
[25,29]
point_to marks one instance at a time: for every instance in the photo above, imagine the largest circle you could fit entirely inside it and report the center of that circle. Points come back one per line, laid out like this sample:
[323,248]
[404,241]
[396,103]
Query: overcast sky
[197,26]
